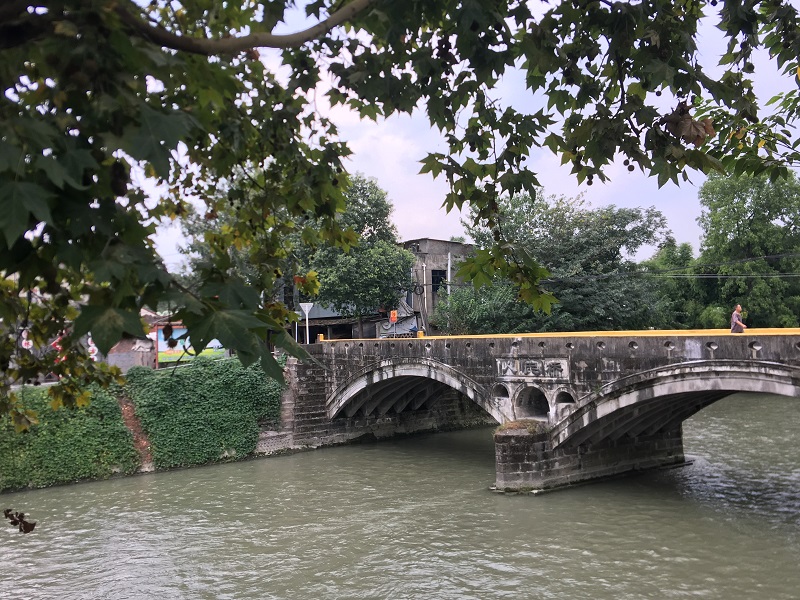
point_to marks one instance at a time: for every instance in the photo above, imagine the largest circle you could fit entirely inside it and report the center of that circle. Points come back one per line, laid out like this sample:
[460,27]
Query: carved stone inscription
[532,368]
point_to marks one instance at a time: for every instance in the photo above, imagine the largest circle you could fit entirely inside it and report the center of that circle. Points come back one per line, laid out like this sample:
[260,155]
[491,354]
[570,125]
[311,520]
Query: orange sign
[393,316]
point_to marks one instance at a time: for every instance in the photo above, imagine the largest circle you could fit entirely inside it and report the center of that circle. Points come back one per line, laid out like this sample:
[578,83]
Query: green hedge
[203,412]
[67,445]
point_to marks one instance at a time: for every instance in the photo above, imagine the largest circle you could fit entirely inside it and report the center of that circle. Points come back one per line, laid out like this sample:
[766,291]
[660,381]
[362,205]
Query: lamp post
[306,306]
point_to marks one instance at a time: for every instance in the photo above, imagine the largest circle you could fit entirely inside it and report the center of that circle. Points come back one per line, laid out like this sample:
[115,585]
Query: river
[414,518]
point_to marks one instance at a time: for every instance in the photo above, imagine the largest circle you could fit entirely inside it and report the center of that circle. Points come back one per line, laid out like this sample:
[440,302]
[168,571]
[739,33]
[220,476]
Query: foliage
[588,253]
[494,309]
[66,445]
[176,91]
[372,274]
[273,259]
[751,239]
[203,412]
[714,317]
[679,302]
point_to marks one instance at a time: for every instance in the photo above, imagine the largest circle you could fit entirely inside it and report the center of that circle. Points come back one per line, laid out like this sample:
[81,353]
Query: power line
[714,276]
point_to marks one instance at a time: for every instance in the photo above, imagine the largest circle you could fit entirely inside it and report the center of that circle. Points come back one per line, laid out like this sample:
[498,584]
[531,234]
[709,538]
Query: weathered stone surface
[611,402]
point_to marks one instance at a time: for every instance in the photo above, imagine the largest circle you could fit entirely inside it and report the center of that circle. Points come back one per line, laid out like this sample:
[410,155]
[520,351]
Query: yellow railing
[788,331]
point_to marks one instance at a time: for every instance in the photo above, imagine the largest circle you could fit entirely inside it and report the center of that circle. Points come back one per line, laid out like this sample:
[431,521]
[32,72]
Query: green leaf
[107,325]
[233,328]
[18,201]
[9,156]
[57,173]
[233,293]
[75,163]
[157,136]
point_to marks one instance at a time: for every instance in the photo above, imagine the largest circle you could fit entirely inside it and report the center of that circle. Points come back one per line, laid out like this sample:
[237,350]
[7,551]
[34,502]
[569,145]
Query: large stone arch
[410,370]
[661,399]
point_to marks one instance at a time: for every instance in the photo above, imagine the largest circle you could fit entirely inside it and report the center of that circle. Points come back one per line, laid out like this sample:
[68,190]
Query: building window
[438,276]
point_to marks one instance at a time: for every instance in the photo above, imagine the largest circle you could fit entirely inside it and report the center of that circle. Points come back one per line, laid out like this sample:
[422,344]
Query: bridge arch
[660,399]
[531,402]
[380,383]
[564,396]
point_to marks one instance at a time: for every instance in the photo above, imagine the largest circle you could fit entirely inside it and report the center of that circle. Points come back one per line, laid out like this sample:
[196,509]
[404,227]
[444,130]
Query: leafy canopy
[751,240]
[588,254]
[176,90]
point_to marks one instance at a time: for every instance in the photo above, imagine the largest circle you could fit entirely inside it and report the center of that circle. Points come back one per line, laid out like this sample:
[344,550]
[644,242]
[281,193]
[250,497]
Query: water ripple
[413,519]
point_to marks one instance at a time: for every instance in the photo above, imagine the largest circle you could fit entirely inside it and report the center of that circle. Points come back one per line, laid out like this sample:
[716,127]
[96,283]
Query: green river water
[414,518]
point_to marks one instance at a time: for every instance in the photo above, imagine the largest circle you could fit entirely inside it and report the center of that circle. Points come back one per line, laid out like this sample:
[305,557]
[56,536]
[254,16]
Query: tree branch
[234,45]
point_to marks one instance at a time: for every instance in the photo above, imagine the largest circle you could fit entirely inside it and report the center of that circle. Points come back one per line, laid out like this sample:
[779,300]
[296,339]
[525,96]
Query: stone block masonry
[527,462]
[305,422]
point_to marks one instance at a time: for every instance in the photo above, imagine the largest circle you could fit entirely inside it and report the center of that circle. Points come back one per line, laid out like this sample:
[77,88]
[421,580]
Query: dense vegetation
[203,412]
[589,257]
[66,445]
[355,283]
[749,255]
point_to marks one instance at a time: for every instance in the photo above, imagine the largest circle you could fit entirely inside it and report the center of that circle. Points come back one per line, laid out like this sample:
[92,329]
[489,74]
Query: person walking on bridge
[737,326]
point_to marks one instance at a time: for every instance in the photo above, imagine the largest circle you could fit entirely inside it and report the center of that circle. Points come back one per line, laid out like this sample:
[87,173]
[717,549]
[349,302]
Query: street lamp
[306,306]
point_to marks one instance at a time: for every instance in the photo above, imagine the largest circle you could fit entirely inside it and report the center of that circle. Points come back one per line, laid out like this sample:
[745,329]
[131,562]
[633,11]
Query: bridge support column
[527,462]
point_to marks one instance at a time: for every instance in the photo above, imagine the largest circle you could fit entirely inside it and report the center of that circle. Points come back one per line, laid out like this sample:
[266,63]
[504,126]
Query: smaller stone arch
[564,397]
[531,403]
[563,402]
[500,391]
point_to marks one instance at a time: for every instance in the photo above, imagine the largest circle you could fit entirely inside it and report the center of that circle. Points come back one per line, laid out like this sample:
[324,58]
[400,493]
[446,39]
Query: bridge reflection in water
[572,406]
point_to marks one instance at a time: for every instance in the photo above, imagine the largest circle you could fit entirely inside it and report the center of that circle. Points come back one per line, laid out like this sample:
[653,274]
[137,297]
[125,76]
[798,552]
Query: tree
[370,275]
[177,90]
[494,309]
[269,262]
[751,241]
[680,298]
[373,274]
[587,253]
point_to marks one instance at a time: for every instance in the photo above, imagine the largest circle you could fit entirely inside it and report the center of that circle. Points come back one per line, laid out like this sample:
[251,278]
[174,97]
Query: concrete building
[434,269]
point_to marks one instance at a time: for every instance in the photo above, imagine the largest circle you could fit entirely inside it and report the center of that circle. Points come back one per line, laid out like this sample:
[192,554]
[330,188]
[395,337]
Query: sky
[390,150]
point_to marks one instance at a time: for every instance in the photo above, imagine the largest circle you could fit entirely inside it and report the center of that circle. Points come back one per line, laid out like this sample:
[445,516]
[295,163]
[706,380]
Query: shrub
[202,412]
[67,445]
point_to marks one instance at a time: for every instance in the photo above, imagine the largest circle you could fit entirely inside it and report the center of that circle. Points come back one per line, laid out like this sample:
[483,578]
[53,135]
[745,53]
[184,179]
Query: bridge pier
[526,460]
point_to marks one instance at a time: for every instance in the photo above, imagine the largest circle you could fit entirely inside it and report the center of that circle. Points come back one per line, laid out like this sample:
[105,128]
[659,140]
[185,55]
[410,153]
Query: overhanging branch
[234,45]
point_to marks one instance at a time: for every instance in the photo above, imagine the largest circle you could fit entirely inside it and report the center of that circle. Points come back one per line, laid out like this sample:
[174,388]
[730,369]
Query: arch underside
[394,396]
[659,401]
[395,386]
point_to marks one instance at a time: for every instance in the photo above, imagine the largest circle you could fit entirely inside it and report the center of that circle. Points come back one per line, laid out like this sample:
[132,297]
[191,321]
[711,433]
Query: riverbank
[206,412]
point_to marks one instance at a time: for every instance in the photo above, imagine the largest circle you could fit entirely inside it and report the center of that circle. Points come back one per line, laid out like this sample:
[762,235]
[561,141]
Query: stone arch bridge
[572,406]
